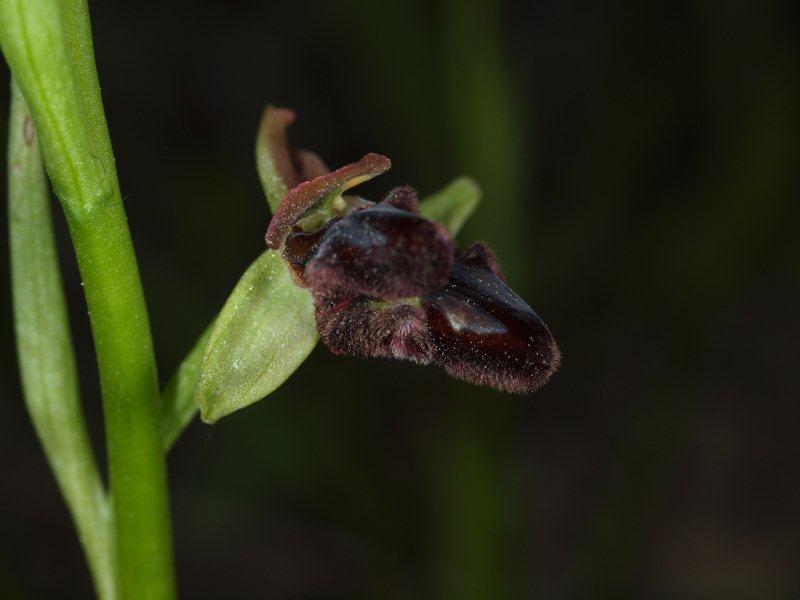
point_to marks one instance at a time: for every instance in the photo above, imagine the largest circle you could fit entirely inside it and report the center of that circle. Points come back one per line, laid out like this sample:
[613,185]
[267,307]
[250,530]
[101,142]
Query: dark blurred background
[640,169]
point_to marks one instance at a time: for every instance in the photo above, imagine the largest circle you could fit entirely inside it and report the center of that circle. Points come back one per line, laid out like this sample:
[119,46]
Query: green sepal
[452,205]
[262,335]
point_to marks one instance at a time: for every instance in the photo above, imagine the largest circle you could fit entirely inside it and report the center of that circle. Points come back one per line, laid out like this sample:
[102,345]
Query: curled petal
[368,328]
[315,192]
[486,334]
[281,167]
[383,252]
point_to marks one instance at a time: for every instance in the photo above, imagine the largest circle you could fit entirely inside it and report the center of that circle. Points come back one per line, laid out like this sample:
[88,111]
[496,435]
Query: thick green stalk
[44,350]
[78,30]
[40,39]
[133,420]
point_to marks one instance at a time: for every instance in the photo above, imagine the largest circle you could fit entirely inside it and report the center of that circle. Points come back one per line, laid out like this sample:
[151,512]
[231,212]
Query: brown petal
[311,193]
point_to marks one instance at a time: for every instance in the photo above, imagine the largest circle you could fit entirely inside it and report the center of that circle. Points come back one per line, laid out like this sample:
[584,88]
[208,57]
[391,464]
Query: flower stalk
[48,44]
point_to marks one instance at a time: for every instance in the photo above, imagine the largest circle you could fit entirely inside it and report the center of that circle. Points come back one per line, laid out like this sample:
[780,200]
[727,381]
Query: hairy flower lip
[485,333]
[475,327]
[383,252]
[307,194]
[367,328]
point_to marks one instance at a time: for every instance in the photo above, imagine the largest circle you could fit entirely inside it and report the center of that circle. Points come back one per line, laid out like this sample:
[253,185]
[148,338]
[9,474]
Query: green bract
[263,333]
[177,399]
[452,205]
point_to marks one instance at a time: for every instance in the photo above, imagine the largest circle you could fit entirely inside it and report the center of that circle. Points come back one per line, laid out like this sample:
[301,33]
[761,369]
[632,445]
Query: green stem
[40,39]
[132,418]
[78,30]
[44,348]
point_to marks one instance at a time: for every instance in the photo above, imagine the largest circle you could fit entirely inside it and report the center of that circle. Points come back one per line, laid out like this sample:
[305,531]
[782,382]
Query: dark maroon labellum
[386,285]
[388,282]
[485,333]
[383,252]
[475,327]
